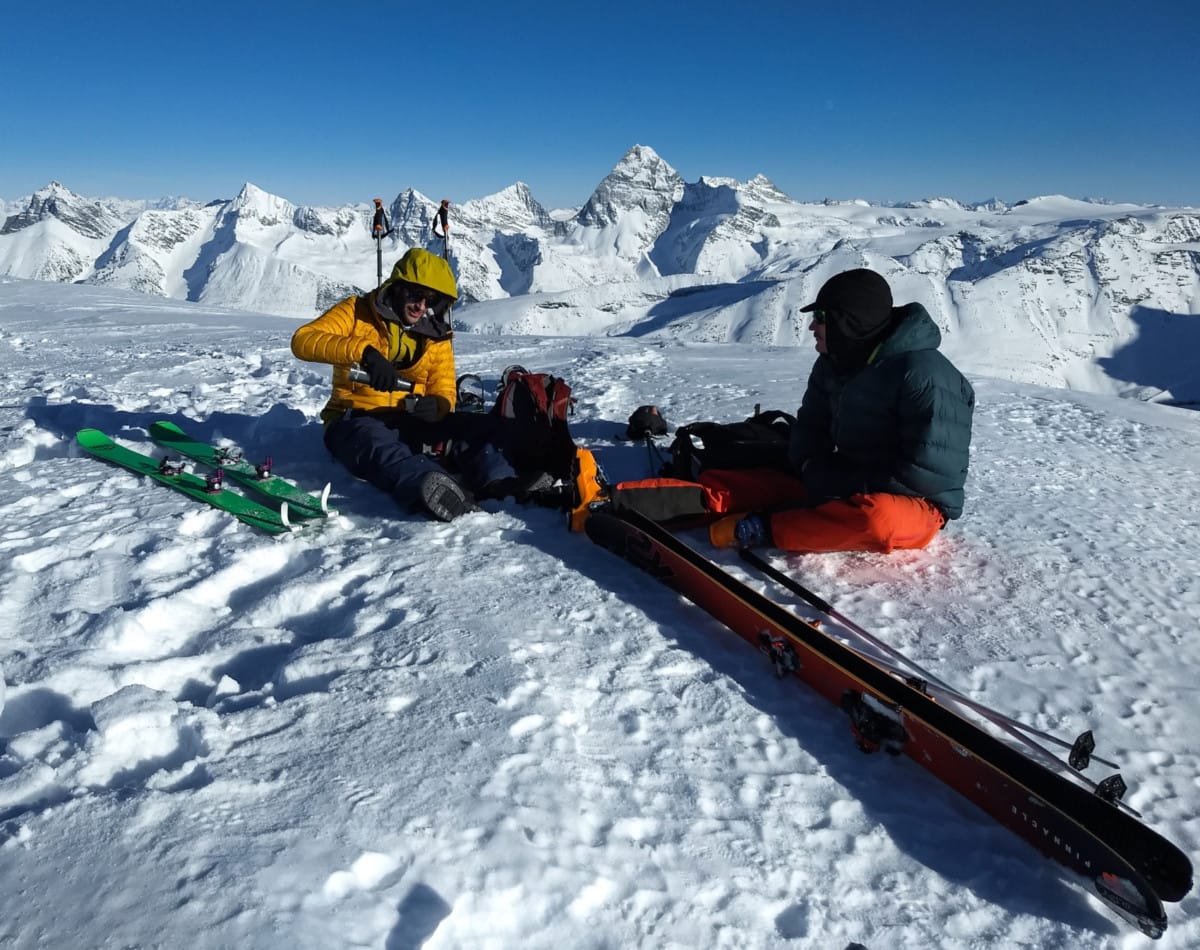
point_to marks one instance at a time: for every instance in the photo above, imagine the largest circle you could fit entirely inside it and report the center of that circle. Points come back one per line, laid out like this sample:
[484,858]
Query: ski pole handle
[359,375]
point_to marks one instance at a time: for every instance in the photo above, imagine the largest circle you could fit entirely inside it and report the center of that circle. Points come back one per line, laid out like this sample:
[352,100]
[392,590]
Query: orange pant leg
[877,522]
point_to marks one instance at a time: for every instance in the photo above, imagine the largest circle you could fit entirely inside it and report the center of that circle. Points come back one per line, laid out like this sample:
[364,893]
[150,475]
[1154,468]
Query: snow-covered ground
[394,733]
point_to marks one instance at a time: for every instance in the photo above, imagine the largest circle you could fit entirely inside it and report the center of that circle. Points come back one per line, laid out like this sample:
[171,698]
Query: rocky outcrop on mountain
[329,222]
[86,217]
[934,203]
[62,264]
[942,255]
[518,256]
[1182,229]
[640,181]
[718,227]
[140,257]
[513,210]
[56,235]
[328,292]
[412,219]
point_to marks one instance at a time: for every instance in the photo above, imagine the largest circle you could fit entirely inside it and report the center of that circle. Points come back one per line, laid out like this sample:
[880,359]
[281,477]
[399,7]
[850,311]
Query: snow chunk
[141,731]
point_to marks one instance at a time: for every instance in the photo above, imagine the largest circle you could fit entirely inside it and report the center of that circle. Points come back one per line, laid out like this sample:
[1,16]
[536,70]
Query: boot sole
[443,498]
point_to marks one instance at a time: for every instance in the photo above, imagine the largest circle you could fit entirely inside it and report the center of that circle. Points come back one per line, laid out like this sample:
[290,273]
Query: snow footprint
[526,725]
[142,737]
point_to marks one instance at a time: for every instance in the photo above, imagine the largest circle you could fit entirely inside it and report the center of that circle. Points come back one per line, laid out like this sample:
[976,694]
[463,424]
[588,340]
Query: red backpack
[535,407]
[534,397]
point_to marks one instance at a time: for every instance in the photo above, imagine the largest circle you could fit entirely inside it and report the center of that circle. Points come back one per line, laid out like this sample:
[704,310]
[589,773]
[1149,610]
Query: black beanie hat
[860,302]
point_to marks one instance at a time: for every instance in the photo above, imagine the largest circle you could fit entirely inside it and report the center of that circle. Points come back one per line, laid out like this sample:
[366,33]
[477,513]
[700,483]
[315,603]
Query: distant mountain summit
[86,217]
[56,235]
[511,210]
[642,183]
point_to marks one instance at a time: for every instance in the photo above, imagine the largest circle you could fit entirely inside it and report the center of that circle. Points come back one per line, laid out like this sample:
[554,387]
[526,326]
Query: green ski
[96,443]
[257,477]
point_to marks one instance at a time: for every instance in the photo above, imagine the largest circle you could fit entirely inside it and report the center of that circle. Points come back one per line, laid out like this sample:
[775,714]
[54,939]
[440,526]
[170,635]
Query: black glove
[381,374]
[424,408]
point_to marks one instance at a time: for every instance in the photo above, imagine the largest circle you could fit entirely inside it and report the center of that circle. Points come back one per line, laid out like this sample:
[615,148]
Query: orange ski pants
[878,522]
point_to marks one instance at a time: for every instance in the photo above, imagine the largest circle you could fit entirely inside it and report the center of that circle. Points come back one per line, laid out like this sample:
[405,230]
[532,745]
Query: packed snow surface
[390,732]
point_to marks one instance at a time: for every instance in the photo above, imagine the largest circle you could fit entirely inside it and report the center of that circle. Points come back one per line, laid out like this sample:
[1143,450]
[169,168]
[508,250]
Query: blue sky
[330,103]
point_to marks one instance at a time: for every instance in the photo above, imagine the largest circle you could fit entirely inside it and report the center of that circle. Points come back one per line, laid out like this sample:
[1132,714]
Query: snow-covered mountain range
[1051,290]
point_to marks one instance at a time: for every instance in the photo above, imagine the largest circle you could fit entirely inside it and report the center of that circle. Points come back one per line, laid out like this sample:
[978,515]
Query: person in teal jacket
[882,439]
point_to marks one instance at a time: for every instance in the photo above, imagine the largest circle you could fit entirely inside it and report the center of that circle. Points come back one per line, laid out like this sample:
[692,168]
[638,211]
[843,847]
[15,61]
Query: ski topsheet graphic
[257,477]
[1083,826]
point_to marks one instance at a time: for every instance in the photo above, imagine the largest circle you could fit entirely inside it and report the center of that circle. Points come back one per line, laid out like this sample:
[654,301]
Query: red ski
[1132,868]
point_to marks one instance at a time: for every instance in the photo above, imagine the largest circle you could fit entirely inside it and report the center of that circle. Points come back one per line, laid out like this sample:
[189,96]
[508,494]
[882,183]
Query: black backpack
[759,442]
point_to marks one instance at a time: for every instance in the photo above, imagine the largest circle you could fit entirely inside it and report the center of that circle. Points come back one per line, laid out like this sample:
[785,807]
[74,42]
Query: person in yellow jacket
[394,384]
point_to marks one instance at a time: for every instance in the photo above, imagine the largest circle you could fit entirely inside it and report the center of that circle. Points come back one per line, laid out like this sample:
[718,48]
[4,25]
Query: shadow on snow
[688,301]
[1165,355]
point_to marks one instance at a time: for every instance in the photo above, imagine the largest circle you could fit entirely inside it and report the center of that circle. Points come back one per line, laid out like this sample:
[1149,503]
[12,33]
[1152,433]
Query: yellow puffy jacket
[423,354]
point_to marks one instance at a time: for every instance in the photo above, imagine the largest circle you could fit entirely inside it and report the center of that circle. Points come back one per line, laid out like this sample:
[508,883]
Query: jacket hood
[419,266]
[909,328]
[914,330]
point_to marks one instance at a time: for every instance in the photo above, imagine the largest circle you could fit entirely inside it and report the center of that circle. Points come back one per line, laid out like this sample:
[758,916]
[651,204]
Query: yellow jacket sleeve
[337,336]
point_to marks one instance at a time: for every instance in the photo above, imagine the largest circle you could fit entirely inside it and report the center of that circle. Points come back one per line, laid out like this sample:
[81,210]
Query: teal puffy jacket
[901,425]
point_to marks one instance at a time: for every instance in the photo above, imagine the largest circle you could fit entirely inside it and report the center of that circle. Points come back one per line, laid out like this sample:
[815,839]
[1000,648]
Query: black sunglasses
[401,293]
[820,316]
[414,292]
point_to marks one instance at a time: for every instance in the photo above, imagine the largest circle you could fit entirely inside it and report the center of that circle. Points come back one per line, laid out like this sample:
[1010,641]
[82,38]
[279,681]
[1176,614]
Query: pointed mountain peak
[251,196]
[643,165]
[518,190]
[515,195]
[92,219]
[512,208]
[640,180]
[763,186]
[54,188]
[411,199]
[254,203]
[249,192]
[412,216]
[640,155]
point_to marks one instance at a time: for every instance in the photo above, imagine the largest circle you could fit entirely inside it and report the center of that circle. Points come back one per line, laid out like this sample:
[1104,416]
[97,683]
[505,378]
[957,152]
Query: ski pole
[657,461]
[442,214]
[825,607]
[1080,750]
[1004,722]
[380,228]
